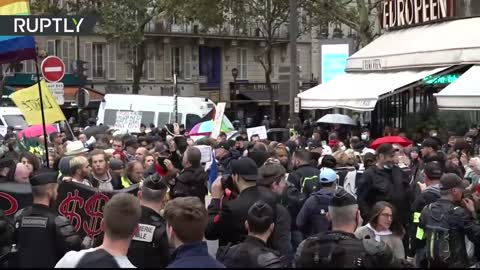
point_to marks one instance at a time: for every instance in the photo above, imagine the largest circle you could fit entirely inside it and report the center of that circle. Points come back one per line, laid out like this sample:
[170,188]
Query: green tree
[360,15]
[267,16]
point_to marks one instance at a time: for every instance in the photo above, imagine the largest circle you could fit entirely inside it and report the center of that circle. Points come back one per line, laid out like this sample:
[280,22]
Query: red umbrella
[36,131]
[391,140]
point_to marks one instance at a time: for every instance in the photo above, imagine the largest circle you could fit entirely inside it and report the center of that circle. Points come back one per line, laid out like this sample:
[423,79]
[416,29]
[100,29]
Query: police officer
[339,247]
[253,251]
[149,248]
[42,236]
[6,239]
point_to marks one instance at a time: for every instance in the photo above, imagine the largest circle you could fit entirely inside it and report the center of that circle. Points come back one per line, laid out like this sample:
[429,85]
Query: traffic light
[80,71]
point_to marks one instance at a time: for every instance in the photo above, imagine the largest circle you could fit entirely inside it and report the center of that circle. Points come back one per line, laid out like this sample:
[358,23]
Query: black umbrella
[94,130]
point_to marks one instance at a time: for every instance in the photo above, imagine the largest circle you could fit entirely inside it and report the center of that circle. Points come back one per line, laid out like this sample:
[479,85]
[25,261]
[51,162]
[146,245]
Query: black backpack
[437,238]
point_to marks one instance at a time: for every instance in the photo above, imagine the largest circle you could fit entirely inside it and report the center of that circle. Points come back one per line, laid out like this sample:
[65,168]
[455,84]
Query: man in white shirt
[112,253]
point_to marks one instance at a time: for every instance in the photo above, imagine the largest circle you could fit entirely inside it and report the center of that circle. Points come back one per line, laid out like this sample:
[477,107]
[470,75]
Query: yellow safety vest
[416,219]
[125,182]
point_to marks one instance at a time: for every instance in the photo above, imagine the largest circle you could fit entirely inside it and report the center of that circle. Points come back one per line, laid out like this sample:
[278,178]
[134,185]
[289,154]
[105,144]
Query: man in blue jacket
[312,219]
[186,221]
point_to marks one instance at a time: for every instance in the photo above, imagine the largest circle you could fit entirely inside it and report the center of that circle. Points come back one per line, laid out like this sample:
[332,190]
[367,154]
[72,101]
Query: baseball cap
[246,168]
[343,198]
[451,180]
[434,170]
[430,142]
[327,176]
[386,149]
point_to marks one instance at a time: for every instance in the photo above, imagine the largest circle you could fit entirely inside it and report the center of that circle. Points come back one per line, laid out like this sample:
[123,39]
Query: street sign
[58,92]
[82,98]
[53,69]
[296,107]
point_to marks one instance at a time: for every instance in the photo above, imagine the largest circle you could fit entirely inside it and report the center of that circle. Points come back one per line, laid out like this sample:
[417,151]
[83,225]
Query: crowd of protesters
[321,198]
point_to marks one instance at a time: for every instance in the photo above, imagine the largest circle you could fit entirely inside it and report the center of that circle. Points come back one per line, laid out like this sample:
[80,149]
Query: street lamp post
[234,96]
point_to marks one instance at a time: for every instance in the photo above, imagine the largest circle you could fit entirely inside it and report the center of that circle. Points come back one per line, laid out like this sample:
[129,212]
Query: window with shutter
[129,64]
[89,59]
[98,61]
[66,55]
[51,47]
[167,61]
[188,63]
[272,75]
[112,61]
[72,55]
[151,61]
[242,63]
[178,61]
[28,66]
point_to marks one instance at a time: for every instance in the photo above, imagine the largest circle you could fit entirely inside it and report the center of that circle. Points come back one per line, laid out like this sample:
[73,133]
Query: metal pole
[293,32]
[175,97]
[79,110]
[45,141]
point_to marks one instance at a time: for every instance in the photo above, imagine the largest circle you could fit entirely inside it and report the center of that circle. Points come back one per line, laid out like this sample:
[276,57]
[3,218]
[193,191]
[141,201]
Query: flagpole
[45,141]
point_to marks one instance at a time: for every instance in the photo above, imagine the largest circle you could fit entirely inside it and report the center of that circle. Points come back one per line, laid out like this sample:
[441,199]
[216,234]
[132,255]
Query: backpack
[437,236]
[330,250]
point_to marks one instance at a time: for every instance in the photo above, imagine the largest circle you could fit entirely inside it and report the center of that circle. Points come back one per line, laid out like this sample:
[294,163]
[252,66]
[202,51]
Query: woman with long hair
[384,226]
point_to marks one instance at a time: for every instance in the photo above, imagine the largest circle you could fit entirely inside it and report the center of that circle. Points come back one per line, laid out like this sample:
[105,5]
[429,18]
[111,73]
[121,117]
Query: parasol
[337,119]
[404,142]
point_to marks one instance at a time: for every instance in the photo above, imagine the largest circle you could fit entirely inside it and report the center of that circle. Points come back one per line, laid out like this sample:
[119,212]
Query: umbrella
[94,130]
[206,128]
[391,140]
[36,131]
[337,119]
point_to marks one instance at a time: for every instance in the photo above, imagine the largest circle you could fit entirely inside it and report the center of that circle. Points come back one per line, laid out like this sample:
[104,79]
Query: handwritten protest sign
[206,152]
[128,120]
[261,131]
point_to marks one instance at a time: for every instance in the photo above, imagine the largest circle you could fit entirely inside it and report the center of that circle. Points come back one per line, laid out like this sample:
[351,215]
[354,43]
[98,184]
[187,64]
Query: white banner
[128,120]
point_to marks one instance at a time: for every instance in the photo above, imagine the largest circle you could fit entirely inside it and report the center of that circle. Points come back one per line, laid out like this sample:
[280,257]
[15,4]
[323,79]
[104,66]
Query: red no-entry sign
[53,69]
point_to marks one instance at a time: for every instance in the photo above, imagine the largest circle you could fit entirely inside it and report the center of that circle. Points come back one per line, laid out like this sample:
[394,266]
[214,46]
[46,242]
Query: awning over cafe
[463,94]
[443,44]
[360,91]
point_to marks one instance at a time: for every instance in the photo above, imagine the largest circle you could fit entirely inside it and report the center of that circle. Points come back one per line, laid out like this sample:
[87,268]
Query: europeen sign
[402,13]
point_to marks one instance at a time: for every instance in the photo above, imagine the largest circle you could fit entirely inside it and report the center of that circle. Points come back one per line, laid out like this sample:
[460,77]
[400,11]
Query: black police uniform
[42,236]
[149,248]
[340,249]
[252,253]
[6,239]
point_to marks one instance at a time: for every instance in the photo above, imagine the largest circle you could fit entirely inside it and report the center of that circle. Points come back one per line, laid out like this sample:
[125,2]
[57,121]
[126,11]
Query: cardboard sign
[128,120]
[206,151]
[260,131]
[3,131]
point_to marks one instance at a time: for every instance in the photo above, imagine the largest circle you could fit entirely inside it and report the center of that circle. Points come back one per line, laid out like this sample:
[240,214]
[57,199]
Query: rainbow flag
[16,48]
